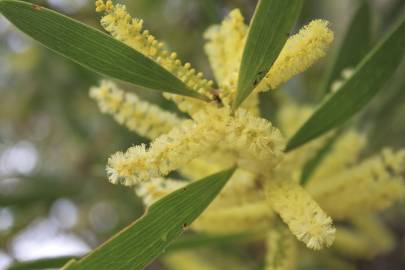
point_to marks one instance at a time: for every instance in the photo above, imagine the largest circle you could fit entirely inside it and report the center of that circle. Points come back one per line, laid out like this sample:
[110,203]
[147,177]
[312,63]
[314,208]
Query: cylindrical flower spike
[306,220]
[130,31]
[258,145]
[344,153]
[157,188]
[299,53]
[224,47]
[170,151]
[282,249]
[372,185]
[203,259]
[209,164]
[382,239]
[354,244]
[146,119]
[242,218]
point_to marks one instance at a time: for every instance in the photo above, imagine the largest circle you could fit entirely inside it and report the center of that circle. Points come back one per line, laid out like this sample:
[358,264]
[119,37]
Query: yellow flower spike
[299,53]
[224,47]
[203,259]
[344,153]
[259,145]
[187,260]
[236,219]
[353,244]
[109,99]
[382,238]
[291,116]
[208,164]
[306,220]
[170,151]
[157,188]
[374,184]
[121,26]
[144,118]
[282,250]
[238,208]
[128,168]
[243,188]
[251,104]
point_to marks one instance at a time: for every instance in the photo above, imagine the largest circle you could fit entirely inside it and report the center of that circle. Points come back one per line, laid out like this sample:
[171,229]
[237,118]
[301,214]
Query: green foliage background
[44,106]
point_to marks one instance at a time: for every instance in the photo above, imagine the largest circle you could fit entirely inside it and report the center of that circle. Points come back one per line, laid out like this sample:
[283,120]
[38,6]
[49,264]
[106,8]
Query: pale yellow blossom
[299,53]
[139,116]
[130,31]
[306,220]
[281,251]
[372,185]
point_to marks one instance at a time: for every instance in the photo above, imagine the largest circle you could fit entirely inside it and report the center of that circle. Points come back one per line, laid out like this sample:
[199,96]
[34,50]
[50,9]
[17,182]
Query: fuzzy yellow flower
[306,220]
[130,111]
[281,251]
[215,137]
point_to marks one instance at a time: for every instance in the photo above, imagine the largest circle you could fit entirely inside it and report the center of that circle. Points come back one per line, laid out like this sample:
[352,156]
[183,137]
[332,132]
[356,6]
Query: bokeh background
[55,199]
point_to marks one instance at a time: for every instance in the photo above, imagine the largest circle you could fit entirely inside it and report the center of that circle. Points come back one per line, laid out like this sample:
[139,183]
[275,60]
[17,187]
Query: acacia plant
[284,183]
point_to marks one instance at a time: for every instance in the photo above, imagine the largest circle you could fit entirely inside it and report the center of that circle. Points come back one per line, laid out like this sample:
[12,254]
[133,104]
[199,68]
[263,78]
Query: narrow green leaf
[46,263]
[147,238]
[268,31]
[369,77]
[354,46]
[91,48]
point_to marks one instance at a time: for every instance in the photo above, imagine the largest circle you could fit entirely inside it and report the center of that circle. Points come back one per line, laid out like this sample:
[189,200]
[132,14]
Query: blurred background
[55,199]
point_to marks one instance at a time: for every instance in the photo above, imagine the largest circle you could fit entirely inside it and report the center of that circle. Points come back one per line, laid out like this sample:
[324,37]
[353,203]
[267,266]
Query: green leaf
[268,31]
[368,78]
[91,48]
[147,238]
[46,263]
[354,46]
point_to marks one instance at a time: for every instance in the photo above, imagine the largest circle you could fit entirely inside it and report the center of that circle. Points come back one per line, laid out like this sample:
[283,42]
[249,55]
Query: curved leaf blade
[369,77]
[268,31]
[147,238]
[354,46]
[40,264]
[91,48]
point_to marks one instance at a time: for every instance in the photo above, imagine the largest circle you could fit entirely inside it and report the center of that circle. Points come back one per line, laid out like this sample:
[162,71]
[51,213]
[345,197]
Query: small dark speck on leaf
[36,7]
[185,225]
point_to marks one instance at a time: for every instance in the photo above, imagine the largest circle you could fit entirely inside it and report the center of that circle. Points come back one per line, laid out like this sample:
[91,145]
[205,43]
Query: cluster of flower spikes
[362,188]
[214,138]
